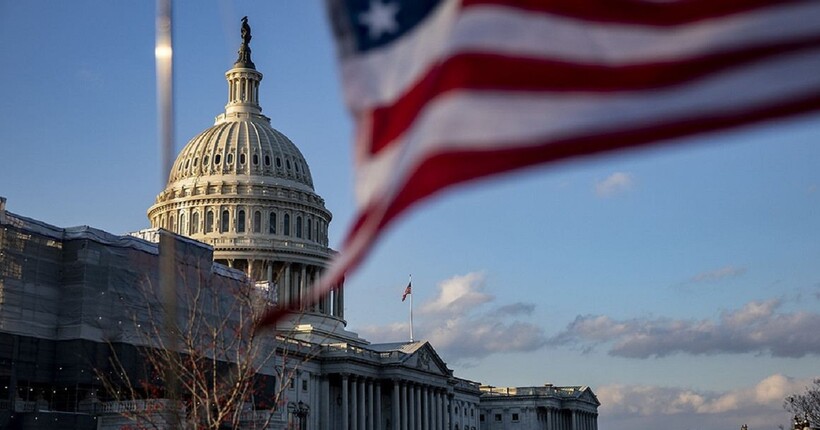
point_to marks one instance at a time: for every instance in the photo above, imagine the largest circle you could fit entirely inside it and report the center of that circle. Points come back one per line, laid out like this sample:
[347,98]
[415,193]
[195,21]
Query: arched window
[286,225]
[309,230]
[257,222]
[299,227]
[195,223]
[240,222]
[209,221]
[171,225]
[318,236]
[182,226]
[226,221]
[272,223]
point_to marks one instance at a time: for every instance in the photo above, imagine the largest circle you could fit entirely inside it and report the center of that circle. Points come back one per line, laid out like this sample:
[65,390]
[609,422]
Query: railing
[268,243]
[24,406]
[118,407]
[529,391]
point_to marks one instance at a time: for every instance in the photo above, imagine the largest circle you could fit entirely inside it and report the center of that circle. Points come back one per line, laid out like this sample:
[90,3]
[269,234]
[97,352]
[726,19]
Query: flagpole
[410,282]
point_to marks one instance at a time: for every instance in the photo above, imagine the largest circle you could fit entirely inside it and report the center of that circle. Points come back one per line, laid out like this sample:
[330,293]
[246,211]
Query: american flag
[408,290]
[446,91]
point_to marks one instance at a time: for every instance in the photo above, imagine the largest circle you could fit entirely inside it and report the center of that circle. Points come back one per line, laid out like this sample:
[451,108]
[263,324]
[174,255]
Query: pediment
[588,396]
[426,358]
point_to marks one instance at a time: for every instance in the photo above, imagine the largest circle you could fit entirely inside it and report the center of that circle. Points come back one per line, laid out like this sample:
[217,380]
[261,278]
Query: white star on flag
[380,18]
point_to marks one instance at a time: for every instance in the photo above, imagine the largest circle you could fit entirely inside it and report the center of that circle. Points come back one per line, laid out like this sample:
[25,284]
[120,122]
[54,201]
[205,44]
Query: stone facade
[547,407]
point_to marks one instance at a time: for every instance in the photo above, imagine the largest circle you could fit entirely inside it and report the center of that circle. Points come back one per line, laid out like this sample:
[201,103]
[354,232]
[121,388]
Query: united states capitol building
[239,207]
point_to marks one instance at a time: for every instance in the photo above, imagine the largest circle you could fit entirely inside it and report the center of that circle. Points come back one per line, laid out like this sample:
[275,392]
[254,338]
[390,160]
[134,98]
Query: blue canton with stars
[371,24]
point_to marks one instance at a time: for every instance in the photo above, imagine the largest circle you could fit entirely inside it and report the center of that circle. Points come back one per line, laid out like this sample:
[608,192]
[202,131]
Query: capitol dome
[243,145]
[244,188]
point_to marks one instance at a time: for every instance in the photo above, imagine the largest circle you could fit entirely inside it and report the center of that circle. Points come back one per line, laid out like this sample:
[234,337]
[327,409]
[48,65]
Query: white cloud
[458,295]
[717,274]
[757,327]
[463,322]
[759,406]
[615,183]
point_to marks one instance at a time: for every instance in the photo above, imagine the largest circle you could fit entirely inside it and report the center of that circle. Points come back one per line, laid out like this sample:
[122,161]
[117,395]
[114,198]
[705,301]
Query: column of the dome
[303,288]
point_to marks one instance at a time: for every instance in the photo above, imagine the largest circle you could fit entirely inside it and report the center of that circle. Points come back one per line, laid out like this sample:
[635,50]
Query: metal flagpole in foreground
[164,57]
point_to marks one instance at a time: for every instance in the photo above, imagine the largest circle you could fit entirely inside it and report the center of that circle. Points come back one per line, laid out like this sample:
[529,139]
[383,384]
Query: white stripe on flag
[510,31]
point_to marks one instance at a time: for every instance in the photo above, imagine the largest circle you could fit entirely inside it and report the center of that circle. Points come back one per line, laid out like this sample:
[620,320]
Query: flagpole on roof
[410,288]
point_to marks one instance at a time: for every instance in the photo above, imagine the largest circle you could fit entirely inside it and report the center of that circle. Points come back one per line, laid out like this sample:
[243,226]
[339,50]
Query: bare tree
[209,368]
[805,406]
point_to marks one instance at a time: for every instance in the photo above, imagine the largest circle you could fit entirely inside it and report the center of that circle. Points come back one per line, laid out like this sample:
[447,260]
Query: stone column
[370,404]
[395,423]
[341,300]
[354,404]
[345,405]
[418,408]
[303,287]
[324,402]
[573,420]
[362,405]
[439,410]
[411,410]
[405,406]
[286,286]
[450,411]
[426,415]
[377,418]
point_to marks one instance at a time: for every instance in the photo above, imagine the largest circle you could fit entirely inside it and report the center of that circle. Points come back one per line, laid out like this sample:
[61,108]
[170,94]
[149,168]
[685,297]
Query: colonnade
[293,281]
[375,404]
[567,419]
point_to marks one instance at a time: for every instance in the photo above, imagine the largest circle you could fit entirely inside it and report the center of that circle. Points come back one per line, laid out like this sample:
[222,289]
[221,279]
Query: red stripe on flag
[641,12]
[493,72]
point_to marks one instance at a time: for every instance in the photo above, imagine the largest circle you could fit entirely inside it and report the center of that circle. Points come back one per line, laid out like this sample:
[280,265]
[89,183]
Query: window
[278,162]
[242,158]
[196,161]
[456,409]
[226,218]
[171,225]
[292,383]
[267,160]
[304,384]
[481,418]
[229,158]
[297,167]
[205,161]
[287,163]
[255,160]
[195,223]
[472,412]
[309,230]
[182,226]
[209,221]
[257,222]
[498,417]
[515,417]
[217,158]
[286,225]
[272,223]
[299,227]
[240,222]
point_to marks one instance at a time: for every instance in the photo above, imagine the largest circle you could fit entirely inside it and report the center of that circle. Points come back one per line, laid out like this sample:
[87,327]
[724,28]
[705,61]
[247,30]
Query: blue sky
[682,282]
